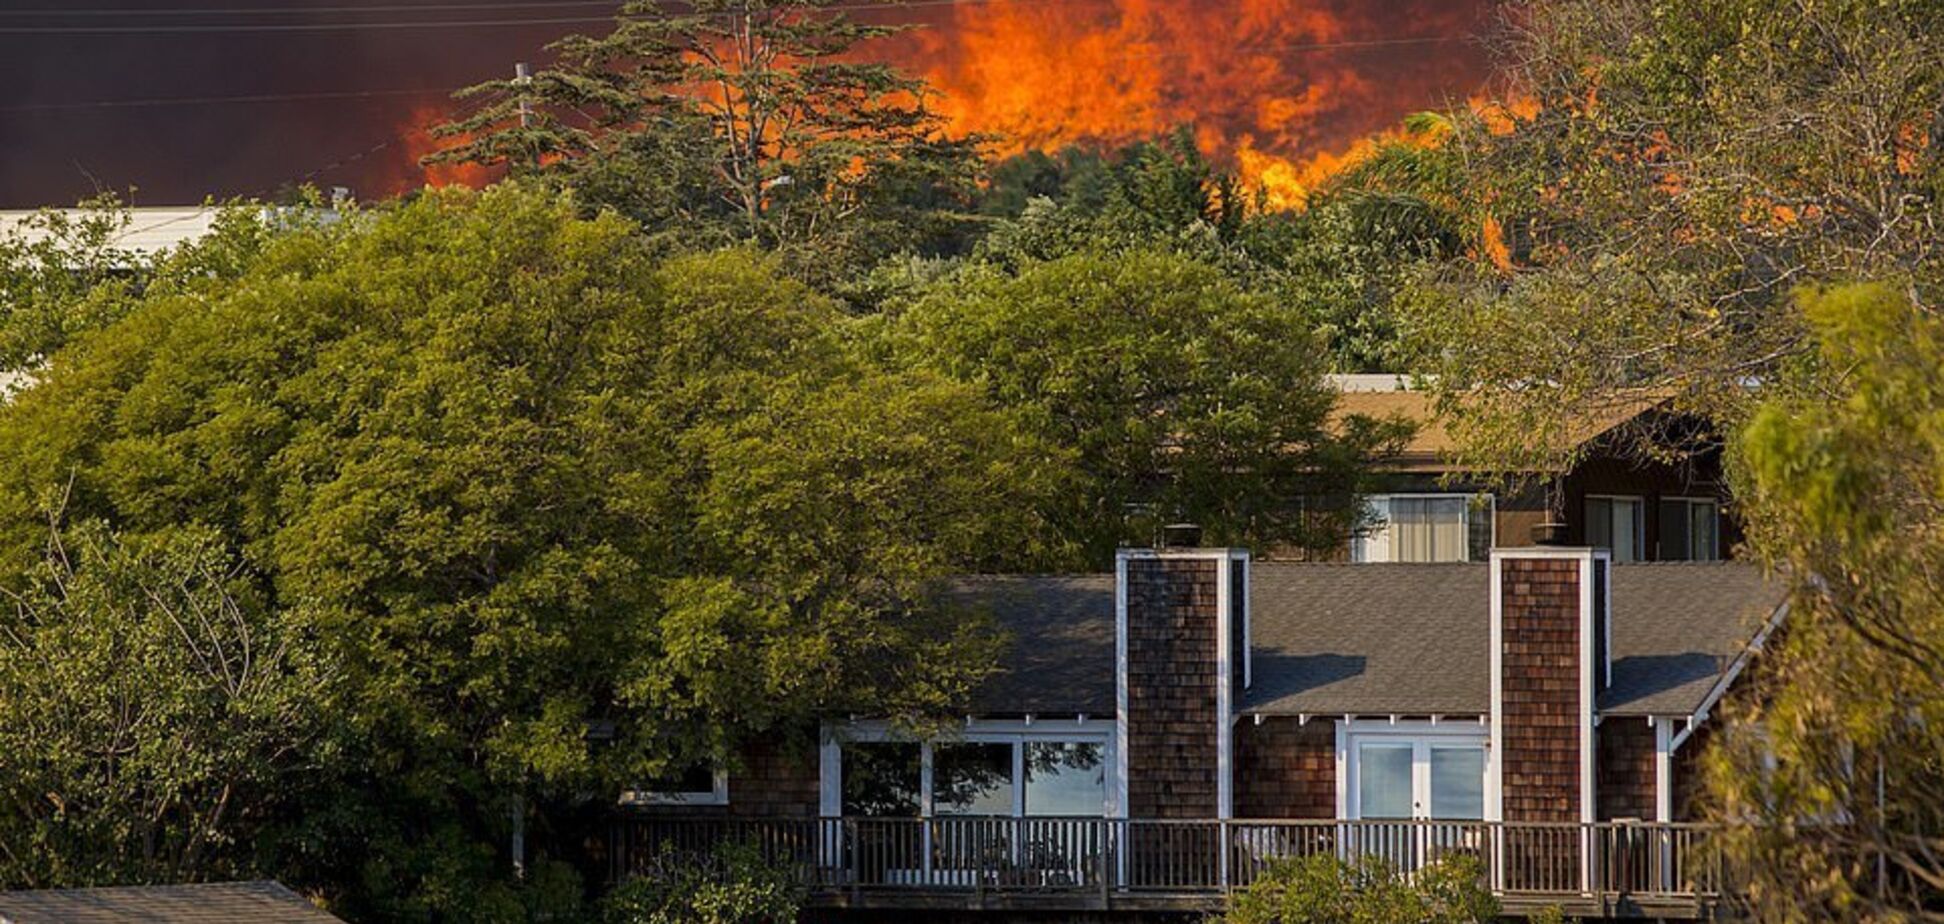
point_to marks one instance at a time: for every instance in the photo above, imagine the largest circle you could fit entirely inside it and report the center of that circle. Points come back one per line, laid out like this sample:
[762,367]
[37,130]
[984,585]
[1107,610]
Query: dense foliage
[731,885]
[736,121]
[1324,888]
[1667,175]
[1828,781]
[155,715]
[522,481]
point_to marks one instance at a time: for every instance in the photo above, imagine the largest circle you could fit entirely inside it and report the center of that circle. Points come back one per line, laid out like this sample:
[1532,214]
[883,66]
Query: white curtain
[1428,529]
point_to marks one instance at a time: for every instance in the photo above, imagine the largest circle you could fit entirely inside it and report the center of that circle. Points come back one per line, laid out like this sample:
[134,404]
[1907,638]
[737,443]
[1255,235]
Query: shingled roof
[1060,642]
[262,902]
[1377,638]
[1415,638]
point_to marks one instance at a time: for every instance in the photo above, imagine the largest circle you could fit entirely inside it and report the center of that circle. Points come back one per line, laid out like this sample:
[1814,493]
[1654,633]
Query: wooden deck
[1609,870]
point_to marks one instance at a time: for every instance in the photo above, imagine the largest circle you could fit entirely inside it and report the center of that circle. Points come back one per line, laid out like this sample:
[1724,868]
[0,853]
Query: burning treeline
[1286,92]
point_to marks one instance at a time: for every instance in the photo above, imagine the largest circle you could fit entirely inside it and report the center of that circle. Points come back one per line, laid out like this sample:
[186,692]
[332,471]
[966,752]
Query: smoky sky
[82,111]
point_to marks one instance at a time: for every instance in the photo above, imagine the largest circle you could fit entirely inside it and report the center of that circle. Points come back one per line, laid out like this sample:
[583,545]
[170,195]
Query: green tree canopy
[1828,779]
[1182,396]
[155,715]
[1682,166]
[753,121]
[525,480]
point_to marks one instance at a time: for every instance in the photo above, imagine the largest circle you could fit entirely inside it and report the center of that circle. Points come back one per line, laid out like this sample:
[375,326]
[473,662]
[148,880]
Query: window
[972,779]
[1065,778]
[697,784]
[1427,528]
[1002,768]
[1616,523]
[881,778]
[1689,529]
[1415,775]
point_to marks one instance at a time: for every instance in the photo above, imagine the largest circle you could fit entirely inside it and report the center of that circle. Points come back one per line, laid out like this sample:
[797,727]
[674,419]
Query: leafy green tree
[1181,395]
[753,121]
[1324,888]
[1827,780]
[155,715]
[1682,167]
[526,480]
[1337,263]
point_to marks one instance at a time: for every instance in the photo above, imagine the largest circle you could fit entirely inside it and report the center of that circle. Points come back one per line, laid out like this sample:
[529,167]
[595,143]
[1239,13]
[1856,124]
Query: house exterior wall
[1688,784]
[1172,688]
[1541,696]
[1626,769]
[775,778]
[1285,769]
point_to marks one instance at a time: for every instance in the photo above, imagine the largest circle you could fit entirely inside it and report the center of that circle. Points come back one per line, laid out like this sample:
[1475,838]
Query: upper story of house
[1432,509]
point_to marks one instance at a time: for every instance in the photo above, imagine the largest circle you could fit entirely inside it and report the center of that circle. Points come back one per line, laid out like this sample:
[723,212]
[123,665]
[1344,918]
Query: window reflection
[972,779]
[881,778]
[1065,778]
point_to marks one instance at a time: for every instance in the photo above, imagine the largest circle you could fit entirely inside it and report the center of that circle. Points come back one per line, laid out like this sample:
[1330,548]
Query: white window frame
[1017,732]
[1640,521]
[1421,737]
[717,794]
[1377,539]
[1714,507]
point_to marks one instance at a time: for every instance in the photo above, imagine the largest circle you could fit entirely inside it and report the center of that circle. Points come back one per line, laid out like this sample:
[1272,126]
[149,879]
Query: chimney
[1182,658]
[1549,642]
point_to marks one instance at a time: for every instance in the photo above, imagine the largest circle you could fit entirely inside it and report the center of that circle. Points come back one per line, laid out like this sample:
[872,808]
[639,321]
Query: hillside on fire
[1264,461]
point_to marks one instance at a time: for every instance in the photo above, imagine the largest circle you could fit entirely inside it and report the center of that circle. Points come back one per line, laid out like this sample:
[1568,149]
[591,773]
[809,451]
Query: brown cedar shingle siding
[1541,713]
[1284,769]
[1171,688]
[776,778]
[1626,766]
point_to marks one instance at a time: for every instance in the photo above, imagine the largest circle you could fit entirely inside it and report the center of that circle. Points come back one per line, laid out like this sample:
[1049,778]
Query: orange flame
[418,142]
[1287,92]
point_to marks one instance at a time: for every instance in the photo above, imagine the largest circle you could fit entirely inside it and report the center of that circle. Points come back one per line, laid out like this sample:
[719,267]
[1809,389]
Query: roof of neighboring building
[1432,447]
[1415,638]
[149,230]
[1060,655]
[263,902]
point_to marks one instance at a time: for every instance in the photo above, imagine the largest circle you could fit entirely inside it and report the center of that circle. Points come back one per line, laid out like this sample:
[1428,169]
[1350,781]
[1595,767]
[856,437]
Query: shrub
[731,886]
[1327,889]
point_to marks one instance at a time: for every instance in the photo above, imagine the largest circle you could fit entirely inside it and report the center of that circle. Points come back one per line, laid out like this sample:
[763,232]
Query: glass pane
[1479,525]
[1458,783]
[1599,523]
[1626,530]
[1065,778]
[1702,524]
[1428,529]
[881,778]
[1384,781]
[972,779]
[694,779]
[1674,539]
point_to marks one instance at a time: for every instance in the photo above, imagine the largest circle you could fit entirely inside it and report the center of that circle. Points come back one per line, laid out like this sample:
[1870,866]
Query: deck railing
[1122,856]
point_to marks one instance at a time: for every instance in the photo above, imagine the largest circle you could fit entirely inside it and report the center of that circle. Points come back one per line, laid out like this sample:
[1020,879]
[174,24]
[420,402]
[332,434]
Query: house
[1162,731]
[1435,510]
[262,902]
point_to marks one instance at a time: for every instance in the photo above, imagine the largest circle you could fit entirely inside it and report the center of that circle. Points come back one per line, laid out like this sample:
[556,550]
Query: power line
[201,28]
[298,27]
[227,100]
[310,10]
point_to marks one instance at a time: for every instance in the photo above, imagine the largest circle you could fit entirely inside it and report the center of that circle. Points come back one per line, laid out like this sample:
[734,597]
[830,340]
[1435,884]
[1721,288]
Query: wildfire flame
[1287,92]
[418,142]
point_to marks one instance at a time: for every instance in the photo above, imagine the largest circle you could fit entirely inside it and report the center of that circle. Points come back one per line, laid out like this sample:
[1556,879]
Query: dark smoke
[177,154]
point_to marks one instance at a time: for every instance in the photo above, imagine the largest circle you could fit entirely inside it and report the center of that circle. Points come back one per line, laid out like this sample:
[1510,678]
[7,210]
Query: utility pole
[522,77]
